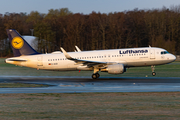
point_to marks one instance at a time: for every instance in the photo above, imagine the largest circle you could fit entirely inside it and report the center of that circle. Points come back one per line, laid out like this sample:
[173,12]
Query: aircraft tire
[94,76]
[153,73]
[98,75]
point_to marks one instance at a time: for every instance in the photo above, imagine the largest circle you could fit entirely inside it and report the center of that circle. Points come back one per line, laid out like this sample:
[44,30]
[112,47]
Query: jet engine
[115,69]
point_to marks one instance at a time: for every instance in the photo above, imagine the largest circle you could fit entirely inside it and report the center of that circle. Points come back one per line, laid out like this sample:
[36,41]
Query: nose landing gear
[153,73]
[153,68]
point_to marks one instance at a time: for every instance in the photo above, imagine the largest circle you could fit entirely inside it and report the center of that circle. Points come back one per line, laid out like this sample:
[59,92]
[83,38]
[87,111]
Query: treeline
[61,27]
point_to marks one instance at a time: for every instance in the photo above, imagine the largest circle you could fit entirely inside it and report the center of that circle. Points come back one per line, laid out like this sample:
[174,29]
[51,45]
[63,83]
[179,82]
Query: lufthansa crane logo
[17,42]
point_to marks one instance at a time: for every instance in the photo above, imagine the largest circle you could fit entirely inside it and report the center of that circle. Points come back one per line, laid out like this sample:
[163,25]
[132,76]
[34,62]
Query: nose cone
[173,58]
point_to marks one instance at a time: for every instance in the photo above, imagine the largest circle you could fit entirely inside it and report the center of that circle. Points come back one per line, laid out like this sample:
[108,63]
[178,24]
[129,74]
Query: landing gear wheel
[153,73]
[98,75]
[94,76]
[153,68]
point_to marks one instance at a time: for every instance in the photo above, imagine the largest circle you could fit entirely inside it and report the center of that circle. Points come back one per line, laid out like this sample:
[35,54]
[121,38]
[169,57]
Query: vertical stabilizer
[19,45]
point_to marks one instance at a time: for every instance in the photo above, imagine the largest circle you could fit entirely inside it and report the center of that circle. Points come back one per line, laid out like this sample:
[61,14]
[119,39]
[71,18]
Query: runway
[79,85]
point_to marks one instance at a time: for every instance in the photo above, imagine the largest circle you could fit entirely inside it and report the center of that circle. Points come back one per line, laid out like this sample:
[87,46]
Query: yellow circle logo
[17,42]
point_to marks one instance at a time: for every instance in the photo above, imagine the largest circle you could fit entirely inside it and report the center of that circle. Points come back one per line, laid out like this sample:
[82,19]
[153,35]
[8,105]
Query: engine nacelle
[116,69]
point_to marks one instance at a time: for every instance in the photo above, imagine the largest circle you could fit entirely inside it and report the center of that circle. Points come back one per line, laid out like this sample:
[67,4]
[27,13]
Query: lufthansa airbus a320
[113,61]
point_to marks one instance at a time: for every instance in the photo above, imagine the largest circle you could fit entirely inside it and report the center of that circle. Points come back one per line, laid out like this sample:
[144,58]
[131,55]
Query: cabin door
[152,54]
[39,61]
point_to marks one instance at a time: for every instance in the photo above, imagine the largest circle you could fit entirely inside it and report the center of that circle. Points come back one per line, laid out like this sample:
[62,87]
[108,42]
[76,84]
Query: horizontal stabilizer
[15,59]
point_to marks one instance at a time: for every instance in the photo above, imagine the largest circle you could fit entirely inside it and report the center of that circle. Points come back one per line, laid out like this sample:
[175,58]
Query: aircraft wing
[84,62]
[89,63]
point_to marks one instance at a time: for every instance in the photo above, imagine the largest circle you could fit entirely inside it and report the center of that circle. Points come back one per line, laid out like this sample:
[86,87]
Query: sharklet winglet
[77,48]
[66,54]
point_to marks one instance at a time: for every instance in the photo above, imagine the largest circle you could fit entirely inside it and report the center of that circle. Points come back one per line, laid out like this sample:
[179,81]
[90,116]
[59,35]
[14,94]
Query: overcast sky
[82,6]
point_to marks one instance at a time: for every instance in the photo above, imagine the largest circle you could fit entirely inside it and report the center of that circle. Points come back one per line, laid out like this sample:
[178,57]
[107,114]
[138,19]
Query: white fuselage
[131,57]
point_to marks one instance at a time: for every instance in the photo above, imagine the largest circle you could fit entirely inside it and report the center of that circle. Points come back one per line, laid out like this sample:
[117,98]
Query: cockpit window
[164,52]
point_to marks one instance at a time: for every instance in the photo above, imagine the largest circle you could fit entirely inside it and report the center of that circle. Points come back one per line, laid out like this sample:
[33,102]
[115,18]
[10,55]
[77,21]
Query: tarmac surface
[79,85]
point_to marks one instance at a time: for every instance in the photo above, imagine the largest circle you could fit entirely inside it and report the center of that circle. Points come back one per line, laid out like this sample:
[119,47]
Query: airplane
[113,61]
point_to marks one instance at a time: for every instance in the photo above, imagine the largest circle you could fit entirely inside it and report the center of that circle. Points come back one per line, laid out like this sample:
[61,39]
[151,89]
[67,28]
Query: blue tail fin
[19,45]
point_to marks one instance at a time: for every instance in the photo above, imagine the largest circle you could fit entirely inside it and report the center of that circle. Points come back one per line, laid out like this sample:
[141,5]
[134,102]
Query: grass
[91,106]
[20,85]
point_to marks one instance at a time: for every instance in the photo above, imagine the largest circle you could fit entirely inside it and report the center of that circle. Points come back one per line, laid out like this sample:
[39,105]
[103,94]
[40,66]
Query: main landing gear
[95,75]
[153,68]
